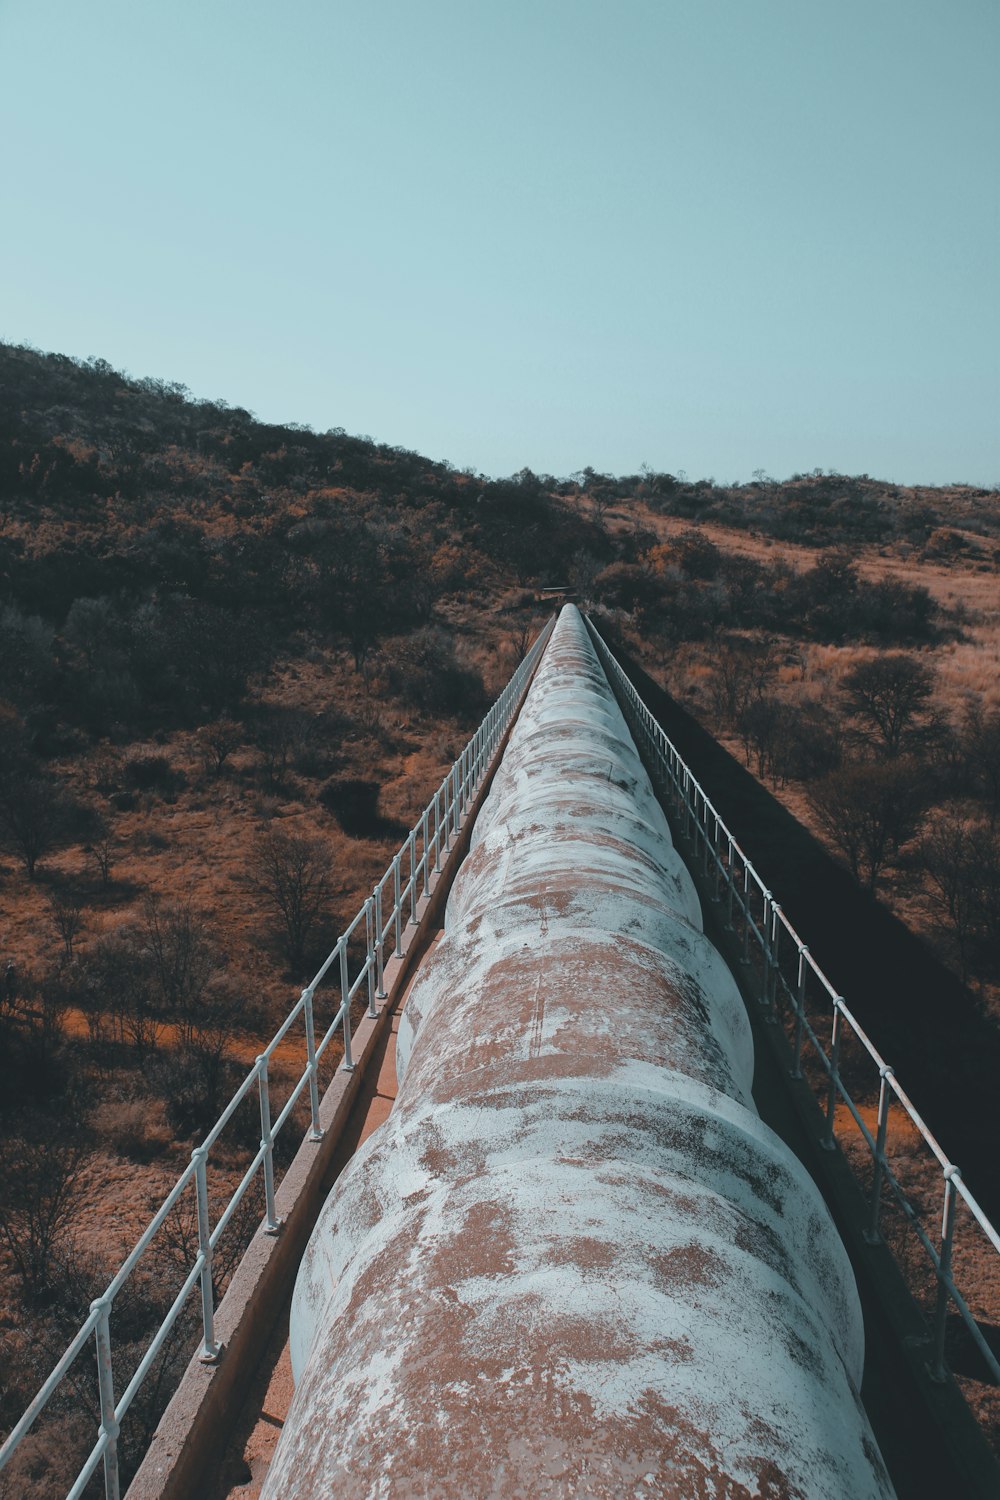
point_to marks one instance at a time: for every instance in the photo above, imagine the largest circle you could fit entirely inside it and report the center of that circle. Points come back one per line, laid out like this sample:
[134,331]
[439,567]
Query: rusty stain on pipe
[574,1262]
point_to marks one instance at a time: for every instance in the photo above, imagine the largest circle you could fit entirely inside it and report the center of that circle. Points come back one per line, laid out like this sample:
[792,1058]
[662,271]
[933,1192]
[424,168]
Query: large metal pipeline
[574,1262]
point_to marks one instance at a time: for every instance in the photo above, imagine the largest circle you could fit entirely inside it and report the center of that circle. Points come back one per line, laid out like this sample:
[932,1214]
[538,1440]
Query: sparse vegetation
[293,875]
[236,658]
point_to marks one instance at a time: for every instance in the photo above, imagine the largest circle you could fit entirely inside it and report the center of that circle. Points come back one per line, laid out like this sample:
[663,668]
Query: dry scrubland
[235,662]
[949,749]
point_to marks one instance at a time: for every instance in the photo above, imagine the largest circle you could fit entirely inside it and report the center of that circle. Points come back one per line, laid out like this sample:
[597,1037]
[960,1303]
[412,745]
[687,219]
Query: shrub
[37,815]
[428,673]
[292,873]
[887,697]
[41,1185]
[147,773]
[868,810]
[136,1128]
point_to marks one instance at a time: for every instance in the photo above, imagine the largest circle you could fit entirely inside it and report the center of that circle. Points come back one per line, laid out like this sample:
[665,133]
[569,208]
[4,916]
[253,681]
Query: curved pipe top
[574,1260]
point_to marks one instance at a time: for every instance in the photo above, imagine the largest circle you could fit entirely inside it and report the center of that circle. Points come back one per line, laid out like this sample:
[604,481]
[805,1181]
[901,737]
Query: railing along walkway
[792,985]
[353,973]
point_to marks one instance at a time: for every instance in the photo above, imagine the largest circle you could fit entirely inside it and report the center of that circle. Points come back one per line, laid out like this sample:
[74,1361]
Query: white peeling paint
[574,1261]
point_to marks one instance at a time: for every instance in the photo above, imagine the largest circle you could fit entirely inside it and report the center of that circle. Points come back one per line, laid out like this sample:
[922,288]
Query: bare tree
[292,873]
[981,749]
[961,854]
[947,852]
[32,815]
[744,669]
[10,988]
[766,725]
[869,811]
[518,644]
[222,1008]
[282,734]
[183,961]
[216,742]
[101,851]
[66,906]
[176,1247]
[40,1189]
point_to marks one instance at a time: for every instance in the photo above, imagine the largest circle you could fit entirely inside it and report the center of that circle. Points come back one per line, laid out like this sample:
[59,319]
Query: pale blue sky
[716,235]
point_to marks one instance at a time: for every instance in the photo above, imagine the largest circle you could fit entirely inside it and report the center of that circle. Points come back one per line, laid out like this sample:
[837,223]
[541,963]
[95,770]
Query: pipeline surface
[574,1261]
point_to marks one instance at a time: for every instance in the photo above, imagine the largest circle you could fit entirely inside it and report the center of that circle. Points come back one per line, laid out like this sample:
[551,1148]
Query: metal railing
[794,990]
[355,970]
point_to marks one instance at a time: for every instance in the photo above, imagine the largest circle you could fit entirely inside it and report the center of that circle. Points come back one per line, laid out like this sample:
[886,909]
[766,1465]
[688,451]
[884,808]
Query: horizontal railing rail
[789,982]
[355,972]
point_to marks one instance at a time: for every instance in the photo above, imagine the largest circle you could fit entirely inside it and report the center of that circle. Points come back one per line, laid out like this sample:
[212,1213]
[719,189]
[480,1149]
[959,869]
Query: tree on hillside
[217,741]
[66,905]
[39,1191]
[981,749]
[183,962]
[369,582]
[34,815]
[961,854]
[887,696]
[292,873]
[213,652]
[630,587]
[868,811]
[745,667]
[26,663]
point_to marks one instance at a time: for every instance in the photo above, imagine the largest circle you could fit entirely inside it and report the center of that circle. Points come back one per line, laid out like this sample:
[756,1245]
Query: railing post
[210,1350]
[716,859]
[397,905]
[446,814]
[800,1011]
[775,946]
[106,1390]
[937,1369]
[828,1142]
[437,832]
[315,1131]
[731,885]
[345,1006]
[424,839]
[413,877]
[371,962]
[746,911]
[272,1224]
[765,949]
[872,1234]
[379,930]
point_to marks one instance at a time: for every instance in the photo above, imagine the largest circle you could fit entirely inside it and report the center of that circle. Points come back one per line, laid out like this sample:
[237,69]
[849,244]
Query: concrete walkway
[245,1463]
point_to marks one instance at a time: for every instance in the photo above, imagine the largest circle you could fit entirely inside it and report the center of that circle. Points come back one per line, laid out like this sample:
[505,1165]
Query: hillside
[222,640]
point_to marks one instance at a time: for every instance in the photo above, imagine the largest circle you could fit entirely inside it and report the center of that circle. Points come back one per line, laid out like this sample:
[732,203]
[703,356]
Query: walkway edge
[207,1401]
